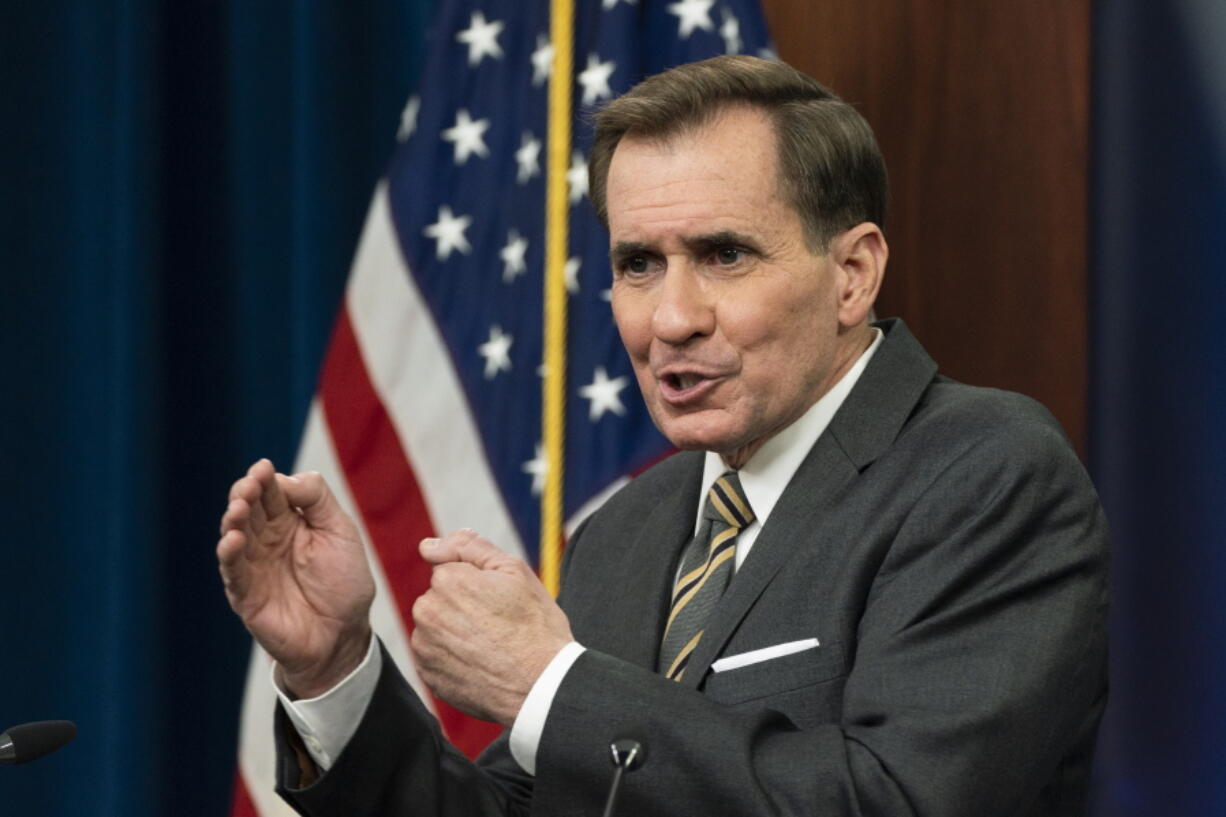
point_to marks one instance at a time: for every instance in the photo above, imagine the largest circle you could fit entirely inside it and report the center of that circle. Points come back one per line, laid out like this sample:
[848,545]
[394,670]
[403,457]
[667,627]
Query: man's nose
[684,309]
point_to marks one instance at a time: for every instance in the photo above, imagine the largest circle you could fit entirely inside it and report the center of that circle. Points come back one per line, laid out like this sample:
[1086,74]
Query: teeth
[688,380]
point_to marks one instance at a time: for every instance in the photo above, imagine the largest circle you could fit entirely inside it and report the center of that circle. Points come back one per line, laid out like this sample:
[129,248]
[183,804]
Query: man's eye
[635,264]
[729,255]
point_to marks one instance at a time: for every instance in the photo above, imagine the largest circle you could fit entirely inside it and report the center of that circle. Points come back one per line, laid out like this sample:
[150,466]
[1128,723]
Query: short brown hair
[830,168]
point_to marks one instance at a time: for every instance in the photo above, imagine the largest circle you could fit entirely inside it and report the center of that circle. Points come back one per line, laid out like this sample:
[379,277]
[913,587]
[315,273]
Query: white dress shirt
[328,722]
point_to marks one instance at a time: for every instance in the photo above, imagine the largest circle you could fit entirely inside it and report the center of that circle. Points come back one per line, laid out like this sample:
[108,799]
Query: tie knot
[726,502]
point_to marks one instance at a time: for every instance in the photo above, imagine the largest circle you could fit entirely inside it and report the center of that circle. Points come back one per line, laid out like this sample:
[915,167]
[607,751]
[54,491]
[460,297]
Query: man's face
[731,322]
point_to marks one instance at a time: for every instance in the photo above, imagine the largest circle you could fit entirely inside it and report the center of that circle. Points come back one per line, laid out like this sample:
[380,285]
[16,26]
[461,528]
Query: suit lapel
[874,413]
[651,560]
[809,498]
[865,426]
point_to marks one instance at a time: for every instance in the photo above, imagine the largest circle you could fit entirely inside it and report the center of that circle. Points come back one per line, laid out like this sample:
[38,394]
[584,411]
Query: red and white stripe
[391,431]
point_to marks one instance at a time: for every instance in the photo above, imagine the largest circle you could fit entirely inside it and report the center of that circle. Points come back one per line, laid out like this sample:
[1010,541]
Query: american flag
[428,412]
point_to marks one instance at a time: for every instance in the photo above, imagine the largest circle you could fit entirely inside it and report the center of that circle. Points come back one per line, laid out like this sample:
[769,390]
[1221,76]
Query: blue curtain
[1158,415]
[184,186]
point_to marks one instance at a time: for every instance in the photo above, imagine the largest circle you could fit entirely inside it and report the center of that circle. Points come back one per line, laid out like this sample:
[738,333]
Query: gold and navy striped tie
[706,567]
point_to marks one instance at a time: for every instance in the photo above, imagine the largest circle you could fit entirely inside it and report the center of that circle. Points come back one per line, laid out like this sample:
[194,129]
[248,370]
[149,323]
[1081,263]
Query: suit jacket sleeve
[398,763]
[970,675]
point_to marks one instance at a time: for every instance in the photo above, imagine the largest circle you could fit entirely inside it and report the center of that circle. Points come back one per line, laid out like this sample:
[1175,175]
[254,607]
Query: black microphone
[628,753]
[30,741]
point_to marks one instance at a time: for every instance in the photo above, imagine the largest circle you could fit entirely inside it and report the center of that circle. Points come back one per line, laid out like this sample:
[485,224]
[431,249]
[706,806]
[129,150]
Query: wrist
[317,678]
[535,668]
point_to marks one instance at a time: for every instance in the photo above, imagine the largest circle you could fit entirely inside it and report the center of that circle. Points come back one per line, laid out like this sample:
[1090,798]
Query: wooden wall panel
[981,109]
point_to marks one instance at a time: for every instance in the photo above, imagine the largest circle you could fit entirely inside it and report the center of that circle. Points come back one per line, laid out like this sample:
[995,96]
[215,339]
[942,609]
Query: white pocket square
[765,654]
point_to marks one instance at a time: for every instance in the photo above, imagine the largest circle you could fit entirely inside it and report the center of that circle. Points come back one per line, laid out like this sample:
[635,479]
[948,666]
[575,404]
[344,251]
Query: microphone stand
[627,754]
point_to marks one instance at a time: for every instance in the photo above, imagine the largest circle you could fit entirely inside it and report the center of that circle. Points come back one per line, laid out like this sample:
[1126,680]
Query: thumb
[464,545]
[309,493]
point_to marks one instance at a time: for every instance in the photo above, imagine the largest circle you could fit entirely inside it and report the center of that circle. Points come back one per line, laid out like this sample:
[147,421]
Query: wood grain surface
[981,109]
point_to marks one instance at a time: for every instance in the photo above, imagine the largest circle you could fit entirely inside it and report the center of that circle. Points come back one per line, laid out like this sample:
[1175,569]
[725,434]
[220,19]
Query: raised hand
[486,629]
[295,572]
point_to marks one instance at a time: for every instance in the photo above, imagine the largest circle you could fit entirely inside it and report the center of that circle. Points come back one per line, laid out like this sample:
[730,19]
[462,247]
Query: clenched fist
[486,628]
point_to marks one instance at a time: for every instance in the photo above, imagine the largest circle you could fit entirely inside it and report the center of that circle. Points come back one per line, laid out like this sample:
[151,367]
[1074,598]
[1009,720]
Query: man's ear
[860,254]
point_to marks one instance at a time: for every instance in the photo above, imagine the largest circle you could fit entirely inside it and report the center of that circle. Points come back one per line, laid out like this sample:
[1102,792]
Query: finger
[247,490]
[230,564]
[236,516]
[272,500]
[439,551]
[244,522]
[425,653]
[230,547]
[429,550]
[464,545]
[458,592]
[227,519]
[451,577]
[309,493]
[257,516]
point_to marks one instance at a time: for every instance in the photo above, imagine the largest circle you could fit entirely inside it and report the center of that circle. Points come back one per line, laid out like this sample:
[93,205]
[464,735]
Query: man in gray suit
[861,589]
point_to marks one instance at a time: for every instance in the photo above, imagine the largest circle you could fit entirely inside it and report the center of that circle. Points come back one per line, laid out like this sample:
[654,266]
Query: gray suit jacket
[942,543]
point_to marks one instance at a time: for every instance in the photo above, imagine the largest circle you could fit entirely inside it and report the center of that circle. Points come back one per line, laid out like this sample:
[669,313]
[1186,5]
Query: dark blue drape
[1158,417]
[184,184]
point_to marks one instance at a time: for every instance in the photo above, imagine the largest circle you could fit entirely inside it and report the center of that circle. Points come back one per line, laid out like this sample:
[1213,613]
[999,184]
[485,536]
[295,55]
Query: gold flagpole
[561,25]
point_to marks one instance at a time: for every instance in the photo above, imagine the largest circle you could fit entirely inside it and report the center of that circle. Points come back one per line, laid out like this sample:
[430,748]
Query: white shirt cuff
[530,722]
[327,722]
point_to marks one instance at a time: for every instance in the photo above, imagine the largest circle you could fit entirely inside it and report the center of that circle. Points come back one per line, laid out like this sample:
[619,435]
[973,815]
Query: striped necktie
[706,567]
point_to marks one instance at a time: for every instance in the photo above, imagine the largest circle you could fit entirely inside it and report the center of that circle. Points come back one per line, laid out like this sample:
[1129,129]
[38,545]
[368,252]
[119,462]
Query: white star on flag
[527,157]
[542,60]
[693,14]
[538,467]
[408,118]
[481,38]
[497,352]
[448,233]
[595,79]
[570,272]
[467,136]
[604,395]
[576,177]
[730,30]
[513,256]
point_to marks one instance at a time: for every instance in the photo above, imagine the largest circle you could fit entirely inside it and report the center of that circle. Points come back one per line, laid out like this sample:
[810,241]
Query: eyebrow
[723,238]
[624,249]
[695,244]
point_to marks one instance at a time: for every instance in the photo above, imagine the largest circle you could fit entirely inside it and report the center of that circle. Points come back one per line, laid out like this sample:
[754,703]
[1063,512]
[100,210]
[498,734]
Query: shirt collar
[772,467]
